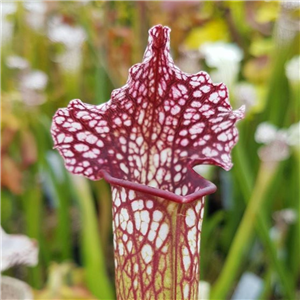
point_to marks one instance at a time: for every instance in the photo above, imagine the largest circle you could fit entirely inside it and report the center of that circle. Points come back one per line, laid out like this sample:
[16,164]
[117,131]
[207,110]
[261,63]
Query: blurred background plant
[16,250]
[55,51]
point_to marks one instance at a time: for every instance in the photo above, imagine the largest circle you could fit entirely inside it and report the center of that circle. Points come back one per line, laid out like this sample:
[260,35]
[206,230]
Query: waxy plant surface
[145,141]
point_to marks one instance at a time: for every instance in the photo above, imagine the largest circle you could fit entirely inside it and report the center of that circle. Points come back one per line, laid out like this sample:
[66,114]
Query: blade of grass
[208,240]
[242,237]
[277,96]
[98,56]
[32,205]
[58,189]
[293,242]
[267,289]
[45,255]
[92,253]
[105,217]
[61,196]
[244,232]
[102,93]
[243,174]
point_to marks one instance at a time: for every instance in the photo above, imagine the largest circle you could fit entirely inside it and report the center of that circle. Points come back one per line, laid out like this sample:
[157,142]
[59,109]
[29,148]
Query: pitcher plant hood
[153,130]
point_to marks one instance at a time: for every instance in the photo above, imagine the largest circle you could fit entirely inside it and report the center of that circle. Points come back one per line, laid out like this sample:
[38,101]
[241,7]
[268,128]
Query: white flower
[225,58]
[72,38]
[265,133]
[277,150]
[63,33]
[35,14]
[277,141]
[17,62]
[292,69]
[37,7]
[8,8]
[17,249]
[219,53]
[7,31]
[31,87]
[288,23]
[35,80]
[290,4]
[288,216]
[12,288]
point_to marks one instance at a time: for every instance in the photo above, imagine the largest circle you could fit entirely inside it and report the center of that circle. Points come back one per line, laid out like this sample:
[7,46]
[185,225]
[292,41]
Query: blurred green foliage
[246,228]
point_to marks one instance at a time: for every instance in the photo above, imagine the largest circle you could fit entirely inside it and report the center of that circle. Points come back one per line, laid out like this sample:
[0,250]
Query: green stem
[244,176]
[244,234]
[223,285]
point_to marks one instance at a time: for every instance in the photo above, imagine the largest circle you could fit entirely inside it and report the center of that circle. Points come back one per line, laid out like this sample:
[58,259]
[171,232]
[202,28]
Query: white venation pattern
[154,129]
[147,253]
[150,240]
[149,135]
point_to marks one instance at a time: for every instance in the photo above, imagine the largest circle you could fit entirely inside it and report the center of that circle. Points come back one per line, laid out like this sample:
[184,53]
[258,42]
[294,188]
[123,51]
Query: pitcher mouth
[206,188]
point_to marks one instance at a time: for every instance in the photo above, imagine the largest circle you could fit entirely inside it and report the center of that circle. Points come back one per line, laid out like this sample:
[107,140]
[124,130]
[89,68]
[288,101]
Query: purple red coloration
[157,246]
[145,142]
[153,130]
